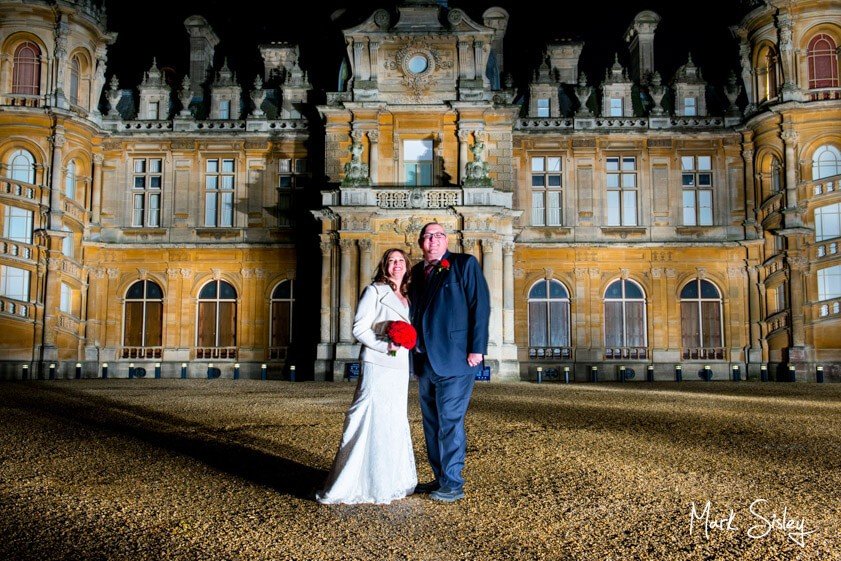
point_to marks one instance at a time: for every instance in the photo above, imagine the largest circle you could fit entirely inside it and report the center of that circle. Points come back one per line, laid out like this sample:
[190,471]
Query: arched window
[26,77]
[143,320]
[624,321]
[22,166]
[767,73]
[70,180]
[75,71]
[216,334]
[827,222]
[280,334]
[776,175]
[826,162]
[823,62]
[700,321]
[549,333]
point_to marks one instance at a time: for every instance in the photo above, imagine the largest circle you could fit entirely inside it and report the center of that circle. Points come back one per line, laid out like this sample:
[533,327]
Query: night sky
[157,29]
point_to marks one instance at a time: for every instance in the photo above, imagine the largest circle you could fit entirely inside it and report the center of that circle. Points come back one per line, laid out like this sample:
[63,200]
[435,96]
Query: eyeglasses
[435,236]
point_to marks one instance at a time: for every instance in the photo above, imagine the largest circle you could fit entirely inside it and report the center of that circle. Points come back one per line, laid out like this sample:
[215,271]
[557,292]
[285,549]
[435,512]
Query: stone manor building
[623,221]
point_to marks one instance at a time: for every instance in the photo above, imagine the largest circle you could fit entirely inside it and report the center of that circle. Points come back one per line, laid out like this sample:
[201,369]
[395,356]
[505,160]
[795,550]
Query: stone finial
[154,76]
[225,77]
[689,73]
[544,73]
[113,96]
[732,91]
[657,91]
[185,97]
[258,95]
[583,93]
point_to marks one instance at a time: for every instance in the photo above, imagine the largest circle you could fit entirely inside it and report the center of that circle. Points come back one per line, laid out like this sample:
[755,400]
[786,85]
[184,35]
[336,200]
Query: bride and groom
[445,298]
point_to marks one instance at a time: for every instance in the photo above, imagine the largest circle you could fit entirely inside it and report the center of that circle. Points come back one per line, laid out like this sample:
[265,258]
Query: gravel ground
[218,470]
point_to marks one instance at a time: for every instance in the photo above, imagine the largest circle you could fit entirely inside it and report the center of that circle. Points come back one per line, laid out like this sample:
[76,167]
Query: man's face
[433,242]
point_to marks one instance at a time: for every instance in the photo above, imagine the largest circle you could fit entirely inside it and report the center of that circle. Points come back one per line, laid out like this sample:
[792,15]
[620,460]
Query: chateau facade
[631,223]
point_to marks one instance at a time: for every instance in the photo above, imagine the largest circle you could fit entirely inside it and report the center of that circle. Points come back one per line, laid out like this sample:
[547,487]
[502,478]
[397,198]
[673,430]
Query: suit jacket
[450,311]
[378,306]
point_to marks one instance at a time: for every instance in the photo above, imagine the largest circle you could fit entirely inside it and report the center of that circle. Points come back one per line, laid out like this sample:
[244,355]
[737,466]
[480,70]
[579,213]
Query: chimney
[203,41]
[640,36]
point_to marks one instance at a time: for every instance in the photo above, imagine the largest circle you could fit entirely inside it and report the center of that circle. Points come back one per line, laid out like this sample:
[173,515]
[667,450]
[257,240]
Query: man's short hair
[427,225]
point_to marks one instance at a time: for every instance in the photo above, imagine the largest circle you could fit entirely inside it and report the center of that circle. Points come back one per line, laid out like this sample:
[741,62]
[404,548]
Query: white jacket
[379,306]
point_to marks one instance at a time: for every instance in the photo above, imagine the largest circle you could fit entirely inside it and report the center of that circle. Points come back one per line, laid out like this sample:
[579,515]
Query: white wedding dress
[375,462]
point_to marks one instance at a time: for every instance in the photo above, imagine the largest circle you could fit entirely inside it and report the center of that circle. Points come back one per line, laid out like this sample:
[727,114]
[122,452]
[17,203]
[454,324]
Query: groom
[450,311]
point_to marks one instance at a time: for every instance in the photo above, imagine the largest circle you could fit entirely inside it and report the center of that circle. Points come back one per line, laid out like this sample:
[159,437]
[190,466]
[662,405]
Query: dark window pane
[690,337]
[635,324]
[613,324]
[688,179]
[711,323]
[154,323]
[708,290]
[559,322]
[209,290]
[537,324]
[280,324]
[133,336]
[226,291]
[690,290]
[538,290]
[537,181]
[136,291]
[282,290]
[207,324]
[557,290]
[632,290]
[153,290]
[554,181]
[227,324]
[614,290]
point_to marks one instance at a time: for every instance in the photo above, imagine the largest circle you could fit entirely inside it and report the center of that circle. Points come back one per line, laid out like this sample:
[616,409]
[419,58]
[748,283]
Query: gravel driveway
[220,469]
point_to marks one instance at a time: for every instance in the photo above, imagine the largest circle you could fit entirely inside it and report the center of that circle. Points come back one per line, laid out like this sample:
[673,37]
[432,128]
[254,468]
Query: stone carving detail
[624,273]
[583,93]
[519,273]
[356,172]
[365,245]
[418,82]
[247,273]
[142,273]
[508,248]
[113,95]
[670,273]
[216,273]
[186,273]
[735,272]
[580,272]
[702,272]
[656,272]
[258,95]
[185,97]
[113,273]
[172,273]
[594,273]
[657,91]
[548,272]
[478,170]
[347,245]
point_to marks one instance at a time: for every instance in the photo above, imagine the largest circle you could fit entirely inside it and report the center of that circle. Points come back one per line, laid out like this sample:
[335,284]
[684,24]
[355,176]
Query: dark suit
[450,311]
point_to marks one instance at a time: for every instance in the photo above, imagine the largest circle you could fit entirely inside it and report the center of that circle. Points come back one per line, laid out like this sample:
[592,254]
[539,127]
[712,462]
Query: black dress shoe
[427,487]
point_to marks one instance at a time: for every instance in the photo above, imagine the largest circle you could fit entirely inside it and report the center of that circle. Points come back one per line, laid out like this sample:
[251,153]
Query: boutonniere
[443,265]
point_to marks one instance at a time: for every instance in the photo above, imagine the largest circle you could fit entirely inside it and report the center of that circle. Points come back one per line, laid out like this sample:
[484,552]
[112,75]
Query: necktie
[428,268]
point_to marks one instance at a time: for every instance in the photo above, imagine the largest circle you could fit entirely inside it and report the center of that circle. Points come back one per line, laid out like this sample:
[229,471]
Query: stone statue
[356,172]
[478,170]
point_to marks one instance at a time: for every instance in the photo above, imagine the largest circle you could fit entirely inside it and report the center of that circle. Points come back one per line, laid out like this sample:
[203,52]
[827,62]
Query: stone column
[62,30]
[365,267]
[508,293]
[789,88]
[96,188]
[754,316]
[56,211]
[789,136]
[478,60]
[468,245]
[490,266]
[373,56]
[747,69]
[374,156]
[326,246]
[463,57]
[346,300]
[98,81]
[463,139]
[358,51]
[798,266]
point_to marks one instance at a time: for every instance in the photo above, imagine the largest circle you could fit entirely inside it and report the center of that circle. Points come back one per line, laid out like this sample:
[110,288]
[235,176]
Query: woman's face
[396,265]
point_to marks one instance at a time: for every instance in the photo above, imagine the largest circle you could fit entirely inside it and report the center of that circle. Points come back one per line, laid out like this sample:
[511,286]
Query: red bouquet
[403,334]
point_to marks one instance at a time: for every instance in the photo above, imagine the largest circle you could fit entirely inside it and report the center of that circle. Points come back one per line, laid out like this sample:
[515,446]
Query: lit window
[700,320]
[219,184]
[75,71]
[417,162]
[624,320]
[280,333]
[829,283]
[26,76]
[542,107]
[696,182]
[22,166]
[17,224]
[547,194]
[549,322]
[689,107]
[70,180]
[225,109]
[143,317]
[66,302]
[67,243]
[823,62]
[621,181]
[827,222]
[147,179]
[153,110]
[14,283]
[217,320]
[826,162]
[616,107]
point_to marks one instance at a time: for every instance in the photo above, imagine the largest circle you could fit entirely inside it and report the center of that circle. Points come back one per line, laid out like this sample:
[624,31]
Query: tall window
[14,283]
[143,319]
[826,162]
[776,175]
[624,320]
[543,107]
[417,162]
[147,179]
[823,62]
[549,330]
[621,191]
[280,334]
[216,331]
[827,222]
[67,243]
[17,224]
[75,71]
[616,107]
[700,321]
[219,193]
[292,175]
[829,283]
[690,108]
[225,109]
[26,77]
[697,183]
[70,180]
[547,194]
[778,295]
[767,73]
[66,302]
[153,110]
[22,166]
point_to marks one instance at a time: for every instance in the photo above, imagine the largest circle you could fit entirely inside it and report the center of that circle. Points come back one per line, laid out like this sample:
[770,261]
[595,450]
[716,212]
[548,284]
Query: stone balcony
[416,197]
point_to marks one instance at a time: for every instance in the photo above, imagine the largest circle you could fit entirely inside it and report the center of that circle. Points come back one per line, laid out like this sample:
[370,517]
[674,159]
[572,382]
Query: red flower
[403,334]
[444,265]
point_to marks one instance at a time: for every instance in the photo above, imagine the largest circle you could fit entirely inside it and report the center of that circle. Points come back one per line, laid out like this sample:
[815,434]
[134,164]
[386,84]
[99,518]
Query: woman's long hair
[382,271]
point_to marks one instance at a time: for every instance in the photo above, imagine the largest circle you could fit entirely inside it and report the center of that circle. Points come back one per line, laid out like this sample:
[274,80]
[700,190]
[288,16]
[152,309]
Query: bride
[375,462]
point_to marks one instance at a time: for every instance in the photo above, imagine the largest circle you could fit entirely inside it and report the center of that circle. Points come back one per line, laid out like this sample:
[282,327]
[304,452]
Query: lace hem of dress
[326,500]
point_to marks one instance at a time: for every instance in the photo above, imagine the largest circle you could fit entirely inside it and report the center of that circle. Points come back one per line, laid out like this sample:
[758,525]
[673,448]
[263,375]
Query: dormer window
[152,110]
[689,107]
[616,107]
[225,109]
[543,107]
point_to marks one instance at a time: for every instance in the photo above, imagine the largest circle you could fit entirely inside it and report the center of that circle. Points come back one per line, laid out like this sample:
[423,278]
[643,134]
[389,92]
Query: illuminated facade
[623,224]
